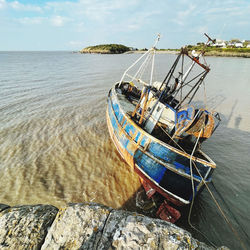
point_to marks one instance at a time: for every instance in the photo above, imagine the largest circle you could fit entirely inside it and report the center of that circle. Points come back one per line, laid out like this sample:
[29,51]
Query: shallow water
[55,147]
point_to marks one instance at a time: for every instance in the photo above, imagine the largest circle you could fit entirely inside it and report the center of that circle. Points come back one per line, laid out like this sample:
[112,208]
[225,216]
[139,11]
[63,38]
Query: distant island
[106,49]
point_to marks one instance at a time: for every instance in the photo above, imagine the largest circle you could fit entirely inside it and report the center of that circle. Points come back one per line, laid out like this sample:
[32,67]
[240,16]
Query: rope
[169,135]
[191,156]
[133,65]
[214,199]
[144,65]
[222,213]
[192,181]
[191,171]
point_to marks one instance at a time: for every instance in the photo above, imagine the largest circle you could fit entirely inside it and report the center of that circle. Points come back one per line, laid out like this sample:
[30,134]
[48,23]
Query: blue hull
[164,167]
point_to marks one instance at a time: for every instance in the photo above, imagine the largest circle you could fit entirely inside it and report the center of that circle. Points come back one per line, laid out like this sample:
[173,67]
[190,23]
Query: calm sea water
[55,147]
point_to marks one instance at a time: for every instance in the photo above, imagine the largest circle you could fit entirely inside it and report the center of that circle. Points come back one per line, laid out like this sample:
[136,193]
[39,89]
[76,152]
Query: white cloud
[115,20]
[31,20]
[182,16]
[58,21]
[2,4]
[24,7]
[140,20]
[229,11]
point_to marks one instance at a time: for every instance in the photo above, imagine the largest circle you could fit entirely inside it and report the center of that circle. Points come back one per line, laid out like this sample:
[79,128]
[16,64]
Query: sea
[55,147]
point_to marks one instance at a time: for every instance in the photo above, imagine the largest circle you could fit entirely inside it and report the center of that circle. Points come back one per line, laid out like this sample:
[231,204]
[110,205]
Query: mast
[194,83]
[146,89]
[170,92]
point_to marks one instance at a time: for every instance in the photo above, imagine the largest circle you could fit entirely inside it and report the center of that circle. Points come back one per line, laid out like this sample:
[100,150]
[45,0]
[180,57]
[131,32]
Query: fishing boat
[158,127]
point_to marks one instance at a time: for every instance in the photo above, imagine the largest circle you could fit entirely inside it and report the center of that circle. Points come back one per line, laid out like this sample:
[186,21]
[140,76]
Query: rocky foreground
[88,226]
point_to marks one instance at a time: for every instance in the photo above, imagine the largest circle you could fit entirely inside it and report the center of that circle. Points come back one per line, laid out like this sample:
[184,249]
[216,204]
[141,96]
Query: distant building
[238,45]
[220,43]
[234,43]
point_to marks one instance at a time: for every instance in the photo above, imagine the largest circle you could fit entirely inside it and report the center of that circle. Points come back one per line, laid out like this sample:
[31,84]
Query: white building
[238,45]
[220,43]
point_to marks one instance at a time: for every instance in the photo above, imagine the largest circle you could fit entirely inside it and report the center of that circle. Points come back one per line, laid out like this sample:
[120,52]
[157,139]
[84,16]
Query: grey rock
[89,226]
[126,230]
[25,227]
[77,226]
[93,226]
[3,206]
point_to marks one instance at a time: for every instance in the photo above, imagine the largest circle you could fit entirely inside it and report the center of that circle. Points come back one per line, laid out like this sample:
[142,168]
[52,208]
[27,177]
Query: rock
[126,230]
[93,226]
[77,226]
[25,227]
[89,226]
[3,206]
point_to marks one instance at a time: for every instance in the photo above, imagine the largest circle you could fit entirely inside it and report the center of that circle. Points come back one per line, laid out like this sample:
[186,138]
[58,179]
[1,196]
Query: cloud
[130,21]
[31,20]
[229,11]
[58,21]
[24,7]
[139,20]
[2,4]
[183,15]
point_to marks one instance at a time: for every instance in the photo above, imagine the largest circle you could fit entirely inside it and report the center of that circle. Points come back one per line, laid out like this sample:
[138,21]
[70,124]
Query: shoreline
[174,52]
[209,53]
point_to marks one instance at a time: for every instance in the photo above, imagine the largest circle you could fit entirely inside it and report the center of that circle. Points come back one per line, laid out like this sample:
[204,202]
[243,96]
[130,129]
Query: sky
[75,24]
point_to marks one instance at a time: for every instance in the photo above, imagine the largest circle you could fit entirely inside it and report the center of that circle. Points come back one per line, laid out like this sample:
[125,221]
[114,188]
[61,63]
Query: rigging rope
[211,194]
[143,67]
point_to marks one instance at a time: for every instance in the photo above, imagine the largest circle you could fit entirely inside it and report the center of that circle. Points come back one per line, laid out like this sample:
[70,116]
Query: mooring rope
[192,202]
[210,192]
[214,199]
[221,211]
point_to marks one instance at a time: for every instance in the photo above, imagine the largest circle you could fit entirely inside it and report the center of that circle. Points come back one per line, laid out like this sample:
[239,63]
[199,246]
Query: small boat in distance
[158,127]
